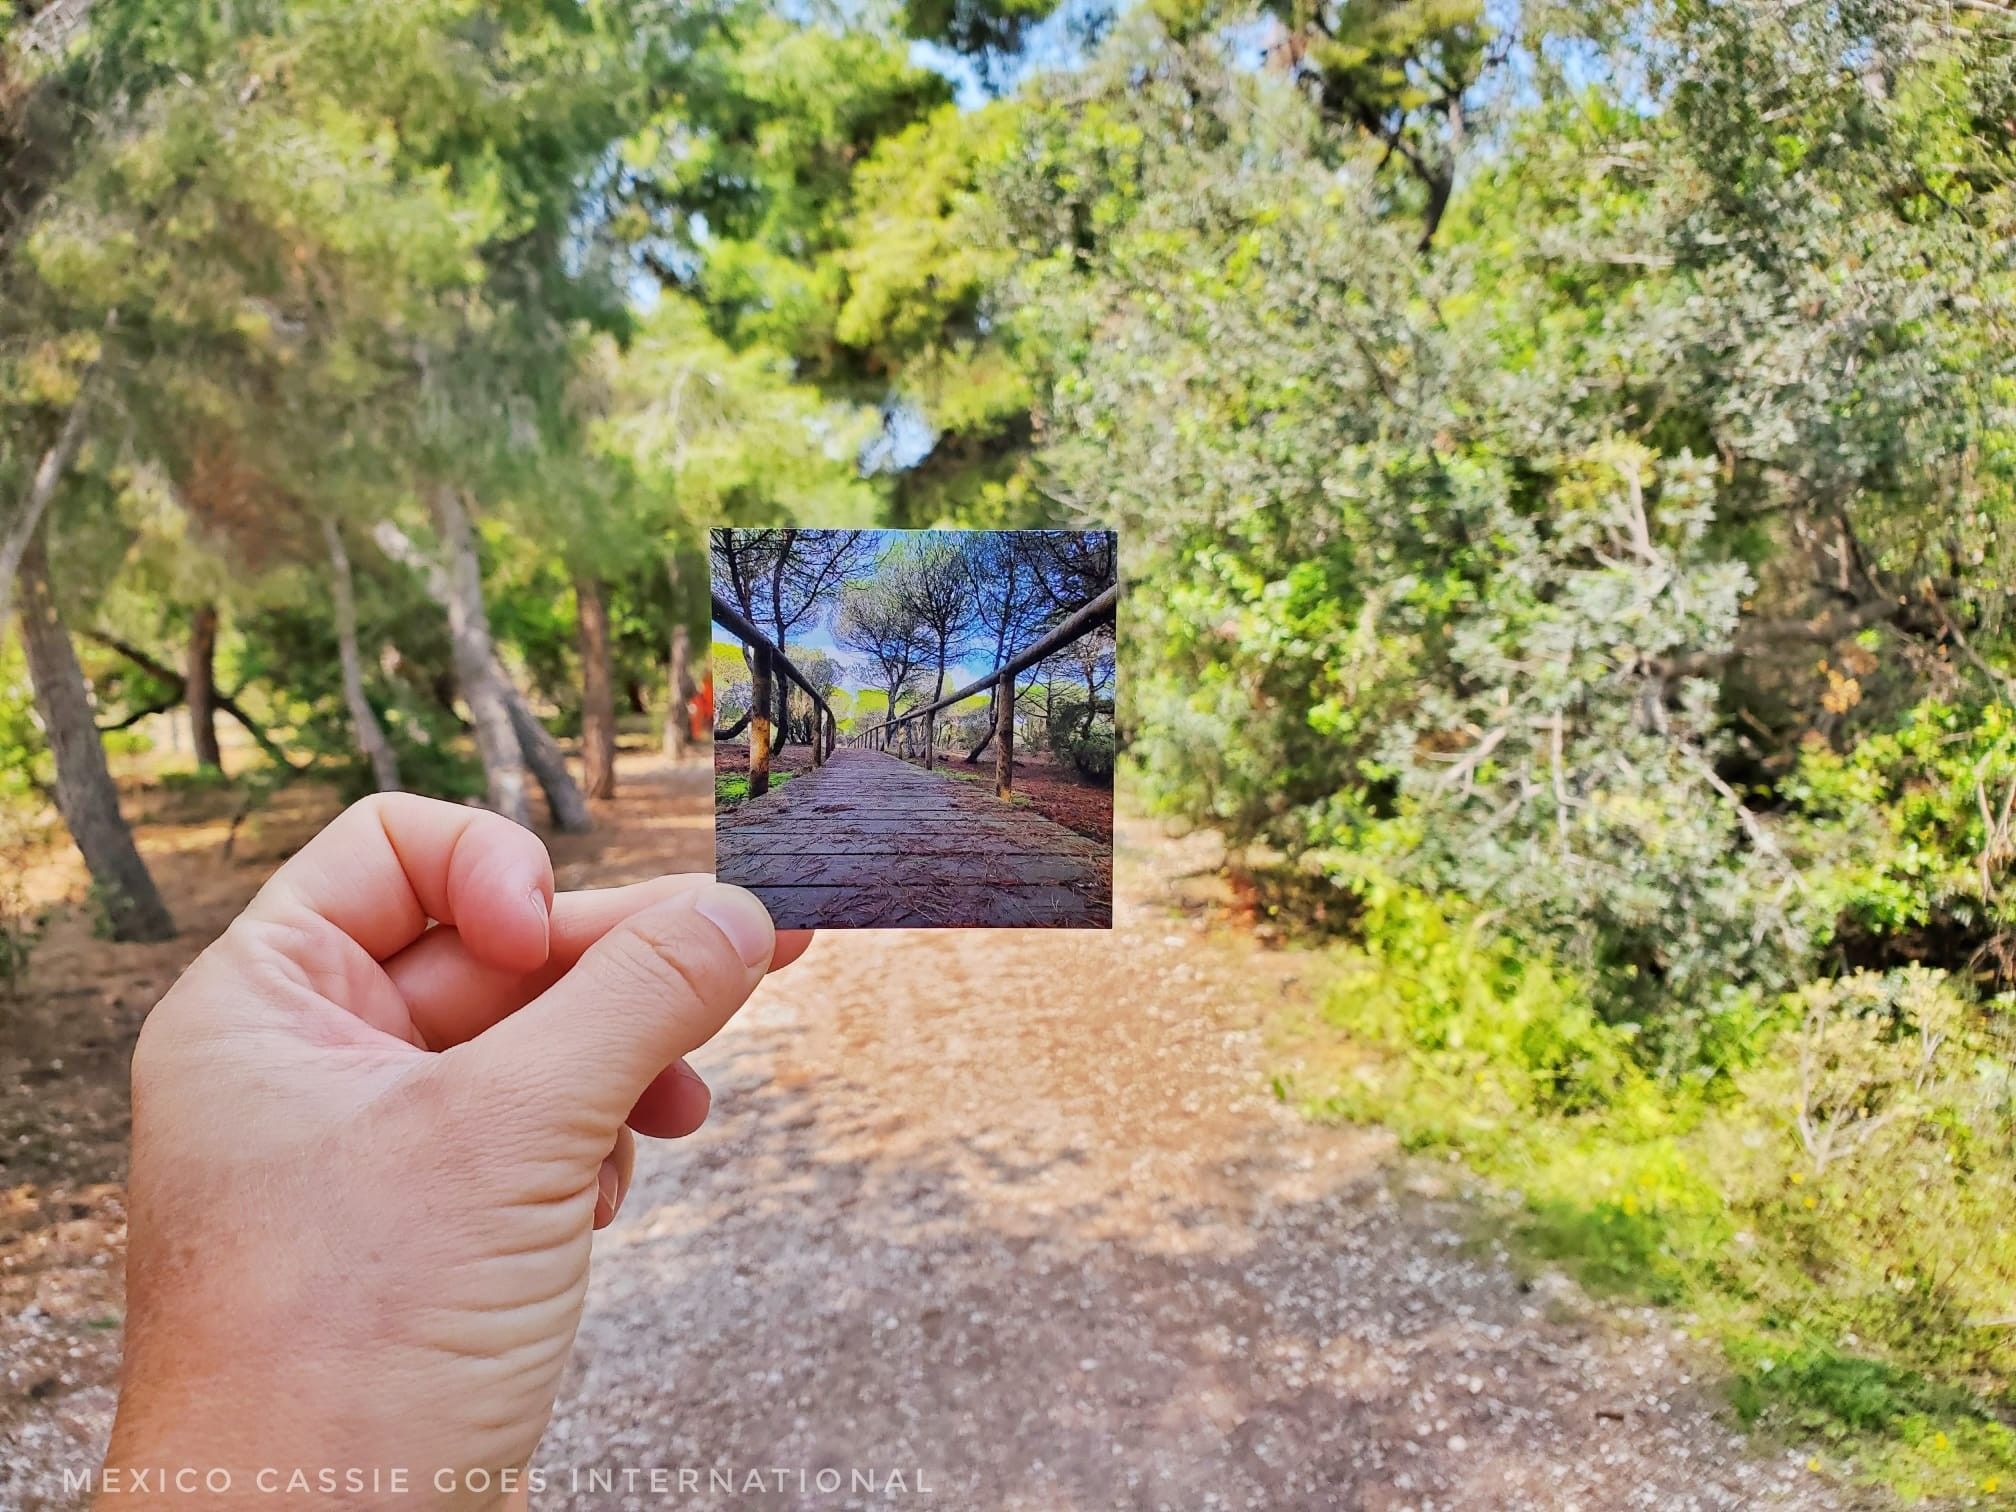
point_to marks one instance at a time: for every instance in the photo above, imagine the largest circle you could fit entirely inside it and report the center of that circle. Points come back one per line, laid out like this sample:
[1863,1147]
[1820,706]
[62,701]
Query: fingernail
[544,911]
[606,1183]
[739,916]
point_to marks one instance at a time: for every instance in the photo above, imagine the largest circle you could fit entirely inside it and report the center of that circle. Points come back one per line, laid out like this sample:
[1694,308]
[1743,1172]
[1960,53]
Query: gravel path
[1010,1219]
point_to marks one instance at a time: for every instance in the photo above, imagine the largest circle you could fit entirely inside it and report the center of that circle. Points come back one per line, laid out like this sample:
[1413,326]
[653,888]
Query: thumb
[659,985]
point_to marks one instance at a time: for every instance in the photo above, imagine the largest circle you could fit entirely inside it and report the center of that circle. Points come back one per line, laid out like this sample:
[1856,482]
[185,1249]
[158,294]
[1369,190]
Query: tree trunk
[200,687]
[783,719]
[483,686]
[542,753]
[371,739]
[1004,737]
[27,519]
[633,696]
[679,692]
[508,737]
[598,695]
[1000,656]
[993,721]
[759,725]
[85,794]
[783,722]
[931,720]
[156,668]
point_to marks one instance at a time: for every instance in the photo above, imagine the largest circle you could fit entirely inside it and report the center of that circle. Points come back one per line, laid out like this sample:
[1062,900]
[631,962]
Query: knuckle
[375,807]
[665,948]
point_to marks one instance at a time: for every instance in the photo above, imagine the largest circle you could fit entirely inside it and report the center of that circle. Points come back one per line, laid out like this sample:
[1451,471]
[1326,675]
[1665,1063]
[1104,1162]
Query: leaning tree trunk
[598,693]
[548,762]
[507,735]
[27,517]
[782,723]
[200,686]
[993,711]
[371,737]
[484,687]
[85,794]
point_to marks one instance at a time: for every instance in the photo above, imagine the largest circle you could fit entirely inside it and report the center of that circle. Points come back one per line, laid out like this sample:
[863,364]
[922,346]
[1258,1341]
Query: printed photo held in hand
[915,729]
[374,1126]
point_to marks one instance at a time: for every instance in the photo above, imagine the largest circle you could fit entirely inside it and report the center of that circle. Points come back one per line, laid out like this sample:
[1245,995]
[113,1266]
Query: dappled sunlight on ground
[1010,1209]
[1015,1211]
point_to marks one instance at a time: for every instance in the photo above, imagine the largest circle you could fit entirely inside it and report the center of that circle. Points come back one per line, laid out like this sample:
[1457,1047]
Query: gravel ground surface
[1009,1220]
[987,1220]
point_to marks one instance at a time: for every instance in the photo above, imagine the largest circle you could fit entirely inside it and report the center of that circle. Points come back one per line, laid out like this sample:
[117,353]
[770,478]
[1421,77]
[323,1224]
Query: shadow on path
[1011,1212]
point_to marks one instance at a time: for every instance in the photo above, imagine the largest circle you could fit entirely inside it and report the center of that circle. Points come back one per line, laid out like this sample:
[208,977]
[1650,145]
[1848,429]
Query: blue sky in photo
[819,636]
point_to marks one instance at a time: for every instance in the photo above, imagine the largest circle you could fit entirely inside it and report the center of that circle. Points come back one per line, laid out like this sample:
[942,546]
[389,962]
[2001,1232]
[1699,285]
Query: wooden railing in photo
[766,664]
[892,733]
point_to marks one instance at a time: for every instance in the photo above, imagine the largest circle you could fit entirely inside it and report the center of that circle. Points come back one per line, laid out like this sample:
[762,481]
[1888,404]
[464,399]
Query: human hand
[368,1154]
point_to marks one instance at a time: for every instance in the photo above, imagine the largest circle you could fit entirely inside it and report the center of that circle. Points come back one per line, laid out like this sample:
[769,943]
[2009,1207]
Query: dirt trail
[1011,1215]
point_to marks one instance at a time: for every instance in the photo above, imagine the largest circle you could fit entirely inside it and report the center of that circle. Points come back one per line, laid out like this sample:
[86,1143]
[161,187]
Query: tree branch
[41,489]
[159,706]
[162,672]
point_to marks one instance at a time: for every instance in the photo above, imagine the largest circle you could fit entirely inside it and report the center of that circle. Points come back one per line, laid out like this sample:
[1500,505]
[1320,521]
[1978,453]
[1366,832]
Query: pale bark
[783,720]
[456,583]
[598,691]
[85,794]
[509,737]
[371,737]
[548,762]
[27,519]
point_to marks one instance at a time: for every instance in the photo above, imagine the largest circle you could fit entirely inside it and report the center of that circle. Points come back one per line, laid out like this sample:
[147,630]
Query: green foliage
[288,645]
[1088,746]
[1564,452]
[1831,1214]
[1913,830]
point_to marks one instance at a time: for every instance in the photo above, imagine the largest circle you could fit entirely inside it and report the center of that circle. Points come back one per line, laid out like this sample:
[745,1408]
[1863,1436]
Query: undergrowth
[1831,1206]
[731,789]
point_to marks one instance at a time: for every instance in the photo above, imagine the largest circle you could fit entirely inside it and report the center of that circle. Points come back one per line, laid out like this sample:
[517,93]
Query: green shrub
[1092,750]
[1910,835]
[1834,1210]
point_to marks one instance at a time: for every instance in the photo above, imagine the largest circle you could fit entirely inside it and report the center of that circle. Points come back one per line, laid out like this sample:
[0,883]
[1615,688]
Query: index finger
[391,864]
[453,997]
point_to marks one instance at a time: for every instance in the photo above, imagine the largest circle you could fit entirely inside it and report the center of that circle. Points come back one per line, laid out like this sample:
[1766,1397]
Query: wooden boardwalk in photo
[871,842]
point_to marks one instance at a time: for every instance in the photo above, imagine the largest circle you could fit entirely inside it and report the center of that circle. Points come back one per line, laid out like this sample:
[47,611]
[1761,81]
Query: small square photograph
[914,729]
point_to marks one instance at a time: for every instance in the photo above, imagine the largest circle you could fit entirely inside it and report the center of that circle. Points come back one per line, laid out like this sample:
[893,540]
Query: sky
[819,637]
